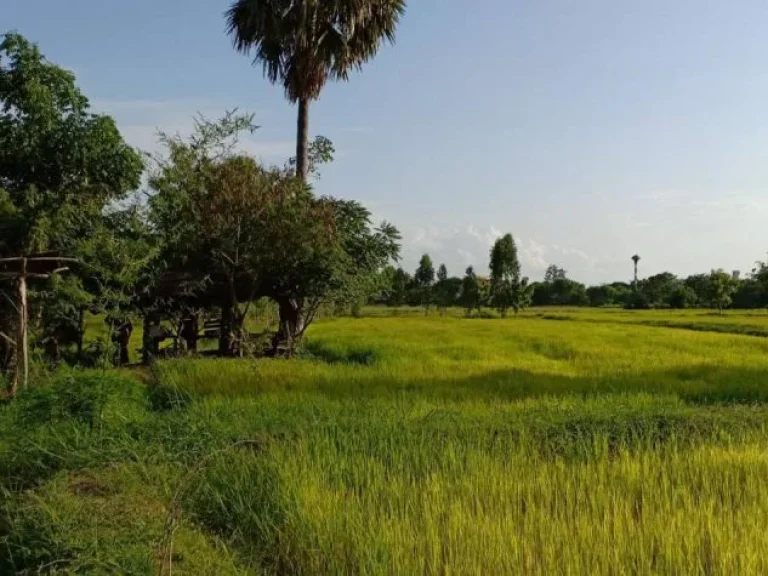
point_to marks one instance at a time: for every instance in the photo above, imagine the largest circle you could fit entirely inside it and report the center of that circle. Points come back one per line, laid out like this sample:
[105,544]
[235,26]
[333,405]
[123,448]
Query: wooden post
[21,370]
[23,325]
[50,263]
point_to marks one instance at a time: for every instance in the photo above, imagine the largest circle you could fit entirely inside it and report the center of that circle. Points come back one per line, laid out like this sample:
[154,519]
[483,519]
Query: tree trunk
[302,141]
[189,332]
[80,332]
[124,342]
[225,337]
[291,328]
[148,344]
[21,372]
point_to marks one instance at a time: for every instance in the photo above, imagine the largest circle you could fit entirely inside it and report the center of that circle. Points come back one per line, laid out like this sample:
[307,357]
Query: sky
[589,129]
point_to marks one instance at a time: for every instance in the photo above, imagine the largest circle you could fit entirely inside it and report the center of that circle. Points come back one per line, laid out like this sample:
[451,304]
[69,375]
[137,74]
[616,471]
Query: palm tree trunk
[302,140]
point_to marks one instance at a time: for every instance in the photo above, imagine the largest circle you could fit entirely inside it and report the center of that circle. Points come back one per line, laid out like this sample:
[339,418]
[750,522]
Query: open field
[564,441]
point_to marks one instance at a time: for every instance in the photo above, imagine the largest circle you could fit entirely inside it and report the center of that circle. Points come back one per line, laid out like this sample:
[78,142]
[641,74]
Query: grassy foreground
[405,445]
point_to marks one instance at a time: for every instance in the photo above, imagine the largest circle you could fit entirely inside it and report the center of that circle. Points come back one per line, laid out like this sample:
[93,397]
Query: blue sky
[589,129]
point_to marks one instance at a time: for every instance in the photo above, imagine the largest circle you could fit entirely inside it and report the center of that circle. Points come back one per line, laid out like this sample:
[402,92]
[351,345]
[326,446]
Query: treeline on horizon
[717,290]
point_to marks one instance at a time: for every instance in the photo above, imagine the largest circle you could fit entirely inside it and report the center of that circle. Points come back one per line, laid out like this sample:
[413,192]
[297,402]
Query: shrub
[79,396]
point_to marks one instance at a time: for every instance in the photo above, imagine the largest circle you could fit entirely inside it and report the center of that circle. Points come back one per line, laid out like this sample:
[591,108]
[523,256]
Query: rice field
[560,442]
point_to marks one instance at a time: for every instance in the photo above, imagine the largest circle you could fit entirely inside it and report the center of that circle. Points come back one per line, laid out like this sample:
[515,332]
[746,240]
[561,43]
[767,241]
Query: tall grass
[405,445]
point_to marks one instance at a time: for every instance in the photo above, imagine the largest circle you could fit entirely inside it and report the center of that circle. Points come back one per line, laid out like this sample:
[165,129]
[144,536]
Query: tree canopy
[303,44]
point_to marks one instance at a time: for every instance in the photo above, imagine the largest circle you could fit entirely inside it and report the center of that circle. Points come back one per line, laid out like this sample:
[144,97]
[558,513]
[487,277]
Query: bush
[638,301]
[79,396]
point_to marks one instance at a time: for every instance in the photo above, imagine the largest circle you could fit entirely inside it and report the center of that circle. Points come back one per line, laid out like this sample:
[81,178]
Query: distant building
[736,274]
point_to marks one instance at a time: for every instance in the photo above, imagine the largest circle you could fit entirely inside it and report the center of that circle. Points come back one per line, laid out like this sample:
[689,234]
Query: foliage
[61,167]
[424,278]
[446,290]
[721,289]
[470,298]
[302,45]
[603,295]
[242,231]
[507,288]
[682,297]
[553,273]
[558,290]
[401,281]
[59,163]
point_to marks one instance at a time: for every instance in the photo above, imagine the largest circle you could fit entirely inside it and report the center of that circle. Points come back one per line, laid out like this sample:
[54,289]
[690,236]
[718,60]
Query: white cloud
[459,247]
[467,257]
[534,254]
[665,195]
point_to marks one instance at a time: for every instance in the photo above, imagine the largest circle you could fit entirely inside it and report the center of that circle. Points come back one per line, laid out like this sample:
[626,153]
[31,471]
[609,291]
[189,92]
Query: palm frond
[302,43]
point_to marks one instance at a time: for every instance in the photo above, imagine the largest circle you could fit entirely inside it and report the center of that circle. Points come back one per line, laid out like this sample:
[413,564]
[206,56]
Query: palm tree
[304,43]
[635,259]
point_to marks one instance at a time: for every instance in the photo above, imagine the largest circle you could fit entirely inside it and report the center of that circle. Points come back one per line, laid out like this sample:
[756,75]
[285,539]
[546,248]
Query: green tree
[444,290]
[722,286]
[401,281]
[554,273]
[424,278]
[470,291]
[750,294]
[211,206]
[682,297]
[699,283]
[59,163]
[507,288]
[604,295]
[659,288]
[303,44]
[759,276]
[60,167]
[322,250]
[236,231]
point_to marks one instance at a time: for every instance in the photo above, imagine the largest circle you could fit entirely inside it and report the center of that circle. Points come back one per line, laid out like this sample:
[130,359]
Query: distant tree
[381,292]
[470,291]
[521,295]
[305,43]
[604,295]
[659,288]
[507,288]
[699,283]
[541,294]
[682,296]
[637,300]
[424,278]
[722,286]
[444,290]
[554,273]
[750,294]
[558,290]
[401,281]
[760,277]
